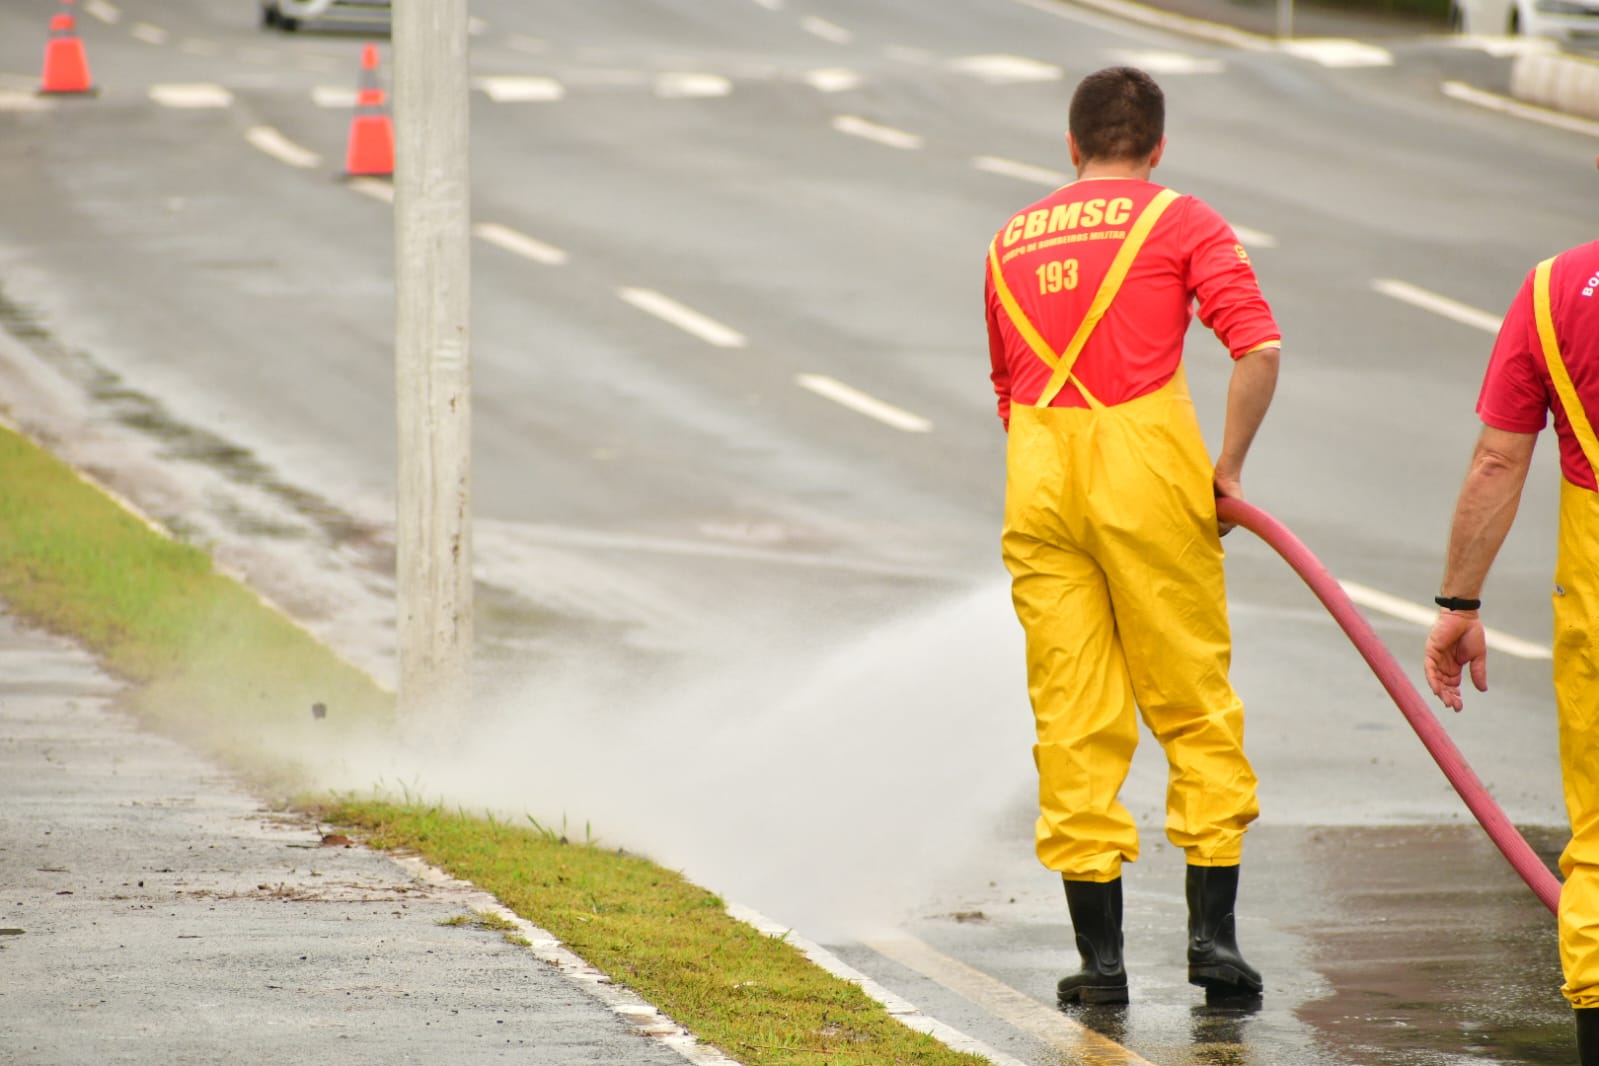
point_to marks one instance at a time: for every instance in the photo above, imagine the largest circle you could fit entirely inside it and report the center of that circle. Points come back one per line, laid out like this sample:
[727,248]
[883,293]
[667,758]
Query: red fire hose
[1487,812]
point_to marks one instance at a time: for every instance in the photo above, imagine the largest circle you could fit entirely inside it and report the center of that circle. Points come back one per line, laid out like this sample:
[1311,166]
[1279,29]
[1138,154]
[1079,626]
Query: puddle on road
[1434,951]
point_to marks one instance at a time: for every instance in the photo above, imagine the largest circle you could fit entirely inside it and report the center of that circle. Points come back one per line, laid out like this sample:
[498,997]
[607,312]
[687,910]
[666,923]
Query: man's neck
[1095,169]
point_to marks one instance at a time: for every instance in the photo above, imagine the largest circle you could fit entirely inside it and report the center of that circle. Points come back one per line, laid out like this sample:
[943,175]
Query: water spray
[1433,736]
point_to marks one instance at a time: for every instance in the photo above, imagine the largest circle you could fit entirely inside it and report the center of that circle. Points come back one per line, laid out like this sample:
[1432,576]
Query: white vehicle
[291,14]
[1561,20]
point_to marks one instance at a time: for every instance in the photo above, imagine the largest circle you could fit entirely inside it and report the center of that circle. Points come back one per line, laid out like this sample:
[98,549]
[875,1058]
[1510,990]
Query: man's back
[1053,256]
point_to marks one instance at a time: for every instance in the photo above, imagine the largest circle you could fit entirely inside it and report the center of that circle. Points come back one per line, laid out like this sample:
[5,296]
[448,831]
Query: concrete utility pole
[432,246]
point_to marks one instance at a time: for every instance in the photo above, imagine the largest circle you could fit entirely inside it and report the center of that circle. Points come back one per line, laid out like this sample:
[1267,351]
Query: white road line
[827,31]
[832,80]
[16,100]
[1254,238]
[908,1013]
[1122,10]
[1405,611]
[684,318]
[771,5]
[1416,296]
[333,96]
[634,1012]
[685,85]
[1504,105]
[1010,168]
[1006,69]
[861,403]
[1168,62]
[281,148]
[518,90]
[856,126]
[1338,52]
[149,34]
[519,243]
[1048,1024]
[191,95]
[376,188]
[106,12]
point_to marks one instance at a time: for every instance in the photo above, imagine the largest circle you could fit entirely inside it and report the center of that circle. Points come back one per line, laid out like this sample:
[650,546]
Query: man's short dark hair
[1118,113]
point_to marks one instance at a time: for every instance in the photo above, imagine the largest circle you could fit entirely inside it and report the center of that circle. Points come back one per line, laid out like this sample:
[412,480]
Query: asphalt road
[738,477]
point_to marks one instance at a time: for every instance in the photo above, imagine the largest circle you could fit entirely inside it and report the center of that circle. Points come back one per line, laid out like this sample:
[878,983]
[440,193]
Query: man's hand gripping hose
[1488,813]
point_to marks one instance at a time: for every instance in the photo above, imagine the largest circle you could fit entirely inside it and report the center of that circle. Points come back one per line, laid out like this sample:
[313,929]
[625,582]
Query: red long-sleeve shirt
[1054,254]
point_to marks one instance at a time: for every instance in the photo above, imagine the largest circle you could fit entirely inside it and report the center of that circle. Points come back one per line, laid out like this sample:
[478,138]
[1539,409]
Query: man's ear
[1071,147]
[1155,156]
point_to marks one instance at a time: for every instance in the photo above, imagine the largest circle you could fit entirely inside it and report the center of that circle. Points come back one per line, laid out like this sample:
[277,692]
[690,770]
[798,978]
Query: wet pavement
[1380,946]
[152,912]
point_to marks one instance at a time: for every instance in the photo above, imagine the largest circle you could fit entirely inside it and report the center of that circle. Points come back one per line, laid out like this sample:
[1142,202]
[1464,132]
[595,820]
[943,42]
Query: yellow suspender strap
[1576,416]
[1063,363]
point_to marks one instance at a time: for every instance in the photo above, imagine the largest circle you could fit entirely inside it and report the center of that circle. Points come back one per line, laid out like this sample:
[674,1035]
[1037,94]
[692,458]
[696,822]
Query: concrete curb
[1565,83]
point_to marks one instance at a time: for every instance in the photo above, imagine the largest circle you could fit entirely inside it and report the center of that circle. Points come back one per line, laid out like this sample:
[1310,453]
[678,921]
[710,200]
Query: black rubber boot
[1096,911]
[1214,962]
[1587,1035]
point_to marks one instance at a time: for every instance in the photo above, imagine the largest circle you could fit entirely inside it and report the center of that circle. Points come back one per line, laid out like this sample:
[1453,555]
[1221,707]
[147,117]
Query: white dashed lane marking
[861,403]
[1405,611]
[827,31]
[333,96]
[856,126]
[518,90]
[1338,52]
[16,100]
[108,13]
[148,33]
[376,188]
[832,80]
[281,148]
[684,318]
[1168,62]
[684,85]
[1416,296]
[1010,168]
[1006,69]
[519,243]
[191,96]
[1254,238]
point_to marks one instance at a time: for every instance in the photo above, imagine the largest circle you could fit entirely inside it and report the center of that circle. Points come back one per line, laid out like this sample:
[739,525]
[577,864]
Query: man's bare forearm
[1486,508]
[1249,394]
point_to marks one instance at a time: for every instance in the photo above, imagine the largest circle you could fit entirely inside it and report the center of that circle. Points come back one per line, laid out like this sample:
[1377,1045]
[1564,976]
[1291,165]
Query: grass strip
[756,997]
[211,664]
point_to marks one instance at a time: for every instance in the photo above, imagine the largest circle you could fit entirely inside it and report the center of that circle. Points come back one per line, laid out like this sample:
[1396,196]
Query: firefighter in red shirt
[1111,535]
[1546,358]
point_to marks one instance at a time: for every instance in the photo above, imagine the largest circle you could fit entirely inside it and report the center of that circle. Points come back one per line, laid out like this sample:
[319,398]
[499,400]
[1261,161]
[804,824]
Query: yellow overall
[1110,538]
[1576,669]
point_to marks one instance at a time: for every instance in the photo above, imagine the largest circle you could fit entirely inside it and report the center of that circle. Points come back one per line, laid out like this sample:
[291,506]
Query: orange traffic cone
[371,147]
[66,67]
